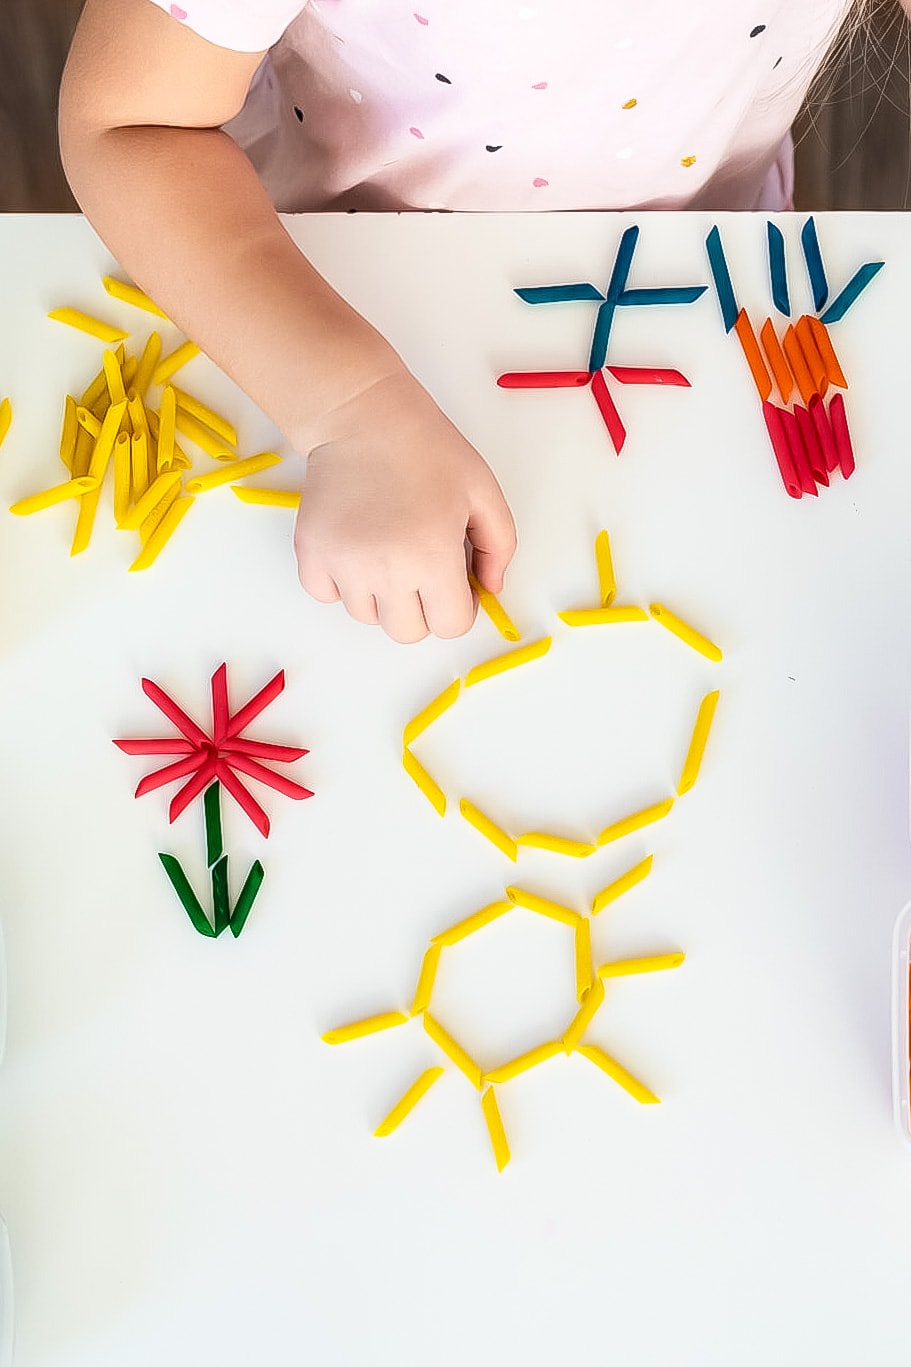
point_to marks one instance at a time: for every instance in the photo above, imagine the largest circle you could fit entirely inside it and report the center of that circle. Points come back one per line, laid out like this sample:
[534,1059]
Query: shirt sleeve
[240,25]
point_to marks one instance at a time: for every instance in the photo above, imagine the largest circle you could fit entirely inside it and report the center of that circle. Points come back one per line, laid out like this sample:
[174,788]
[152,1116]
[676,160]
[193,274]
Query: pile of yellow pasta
[113,427]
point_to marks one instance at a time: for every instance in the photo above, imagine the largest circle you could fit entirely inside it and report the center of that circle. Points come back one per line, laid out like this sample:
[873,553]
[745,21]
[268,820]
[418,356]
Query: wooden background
[853,142]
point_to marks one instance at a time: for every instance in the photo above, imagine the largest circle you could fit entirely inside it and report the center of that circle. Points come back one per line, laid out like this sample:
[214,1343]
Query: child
[371,104]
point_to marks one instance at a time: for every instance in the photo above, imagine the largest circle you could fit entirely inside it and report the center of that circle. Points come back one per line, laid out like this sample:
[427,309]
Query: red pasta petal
[220,703]
[257,704]
[279,782]
[245,800]
[165,746]
[612,419]
[188,765]
[191,790]
[261,749]
[174,713]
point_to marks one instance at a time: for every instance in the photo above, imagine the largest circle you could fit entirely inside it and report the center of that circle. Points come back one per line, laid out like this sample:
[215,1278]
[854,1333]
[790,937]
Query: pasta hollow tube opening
[495,1129]
[406,1104]
[698,741]
[370,1025]
[693,638]
[490,604]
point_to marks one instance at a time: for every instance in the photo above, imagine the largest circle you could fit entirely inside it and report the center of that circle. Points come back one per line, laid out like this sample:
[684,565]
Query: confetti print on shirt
[493,147]
[539,182]
[755,32]
[416,133]
[178,13]
[540,85]
[421,20]
[438,76]
[630,104]
[687,161]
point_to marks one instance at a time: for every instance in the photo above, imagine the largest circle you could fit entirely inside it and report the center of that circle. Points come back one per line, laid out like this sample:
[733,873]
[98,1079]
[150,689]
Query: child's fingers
[402,617]
[318,584]
[492,533]
[362,606]
[448,602]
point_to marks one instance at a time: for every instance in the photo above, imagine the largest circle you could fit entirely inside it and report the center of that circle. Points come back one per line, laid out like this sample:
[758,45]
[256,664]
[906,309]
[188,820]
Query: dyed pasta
[839,421]
[488,829]
[606,406]
[698,742]
[495,1129]
[429,714]
[584,971]
[452,1050]
[722,278]
[590,1002]
[645,817]
[131,294]
[544,379]
[793,461]
[426,978]
[607,583]
[173,362]
[815,364]
[798,363]
[67,432]
[60,493]
[113,377]
[148,363]
[407,1103]
[557,844]
[431,790]
[152,496]
[84,322]
[543,906]
[776,358]
[122,475]
[824,432]
[750,348]
[371,1025]
[501,663]
[507,1071]
[597,617]
[655,963]
[815,269]
[462,929]
[490,604]
[162,534]
[269,498]
[685,632]
[622,884]
[236,470]
[834,373]
[188,403]
[167,418]
[636,1089]
[858,282]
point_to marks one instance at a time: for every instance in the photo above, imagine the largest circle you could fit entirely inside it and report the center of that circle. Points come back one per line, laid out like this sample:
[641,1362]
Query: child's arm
[393,490]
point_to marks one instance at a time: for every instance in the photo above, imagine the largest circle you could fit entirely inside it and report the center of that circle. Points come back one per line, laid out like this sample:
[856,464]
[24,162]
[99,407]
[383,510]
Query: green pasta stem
[214,839]
[247,897]
[221,905]
[190,902]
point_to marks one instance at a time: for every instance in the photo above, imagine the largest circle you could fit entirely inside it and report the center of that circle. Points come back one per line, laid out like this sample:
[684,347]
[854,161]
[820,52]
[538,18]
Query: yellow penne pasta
[607,584]
[123,472]
[170,364]
[636,821]
[95,390]
[693,761]
[495,1129]
[558,844]
[152,496]
[599,617]
[371,1025]
[452,1050]
[429,714]
[543,906]
[60,493]
[620,1075]
[84,322]
[407,1103]
[237,470]
[137,411]
[67,431]
[591,1001]
[104,442]
[131,294]
[155,518]
[424,989]
[584,971]
[88,507]
[685,632]
[148,362]
[167,416]
[139,463]
[128,370]
[113,377]
[187,403]
[85,445]
[511,660]
[462,929]
[162,534]
[494,833]
[206,441]
[491,605]
[6,417]
[416,771]
[269,498]
[655,963]
[86,418]
[507,1071]
[622,884]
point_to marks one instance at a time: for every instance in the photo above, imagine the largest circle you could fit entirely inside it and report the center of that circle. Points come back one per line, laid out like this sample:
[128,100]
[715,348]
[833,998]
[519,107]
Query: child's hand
[393,493]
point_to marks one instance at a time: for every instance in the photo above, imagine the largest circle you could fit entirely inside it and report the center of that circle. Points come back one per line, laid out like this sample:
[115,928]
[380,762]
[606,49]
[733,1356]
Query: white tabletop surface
[187,1172]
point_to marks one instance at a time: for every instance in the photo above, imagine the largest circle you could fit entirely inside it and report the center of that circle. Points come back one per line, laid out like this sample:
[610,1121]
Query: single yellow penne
[128,370]
[407,1103]
[371,1025]
[270,498]
[239,469]
[139,463]
[620,1075]
[104,442]
[429,714]
[137,411]
[88,507]
[501,663]
[636,821]
[494,833]
[148,362]
[622,884]
[591,1000]
[95,390]
[67,431]
[685,632]
[6,417]
[558,844]
[188,403]
[543,906]
[82,456]
[155,518]
[452,1049]
[599,617]
[84,322]
[498,1140]
[693,761]
[490,604]
[86,418]
[162,534]
[170,364]
[416,771]
[131,294]
[656,963]
[167,416]
[47,498]
[462,929]
[426,978]
[123,472]
[607,584]
[507,1071]
[113,377]
[206,441]
[584,971]
[153,495]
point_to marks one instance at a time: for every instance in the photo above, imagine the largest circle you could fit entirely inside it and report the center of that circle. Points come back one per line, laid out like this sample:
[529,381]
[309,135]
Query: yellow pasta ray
[428,786]
[635,822]
[418,1089]
[162,534]
[540,1054]
[591,1001]
[656,963]
[452,1049]
[173,362]
[622,884]
[60,493]
[236,470]
[84,322]
[67,431]
[131,294]
[607,584]
[511,660]
[596,617]
[608,1065]
[583,945]
[462,929]
[88,507]
[543,906]
[371,1025]
[270,498]
[685,632]
[429,714]
[693,761]
[557,844]
[490,604]
[494,833]
[495,1128]
[426,979]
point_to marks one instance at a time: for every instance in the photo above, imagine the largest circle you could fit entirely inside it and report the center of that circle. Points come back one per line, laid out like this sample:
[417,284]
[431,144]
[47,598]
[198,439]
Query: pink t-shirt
[495,105]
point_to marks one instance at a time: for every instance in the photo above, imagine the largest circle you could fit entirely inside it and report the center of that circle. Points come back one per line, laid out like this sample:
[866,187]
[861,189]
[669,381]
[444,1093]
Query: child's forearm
[185,214]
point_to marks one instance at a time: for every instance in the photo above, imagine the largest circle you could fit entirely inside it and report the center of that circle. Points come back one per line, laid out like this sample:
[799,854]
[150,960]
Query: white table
[187,1172]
